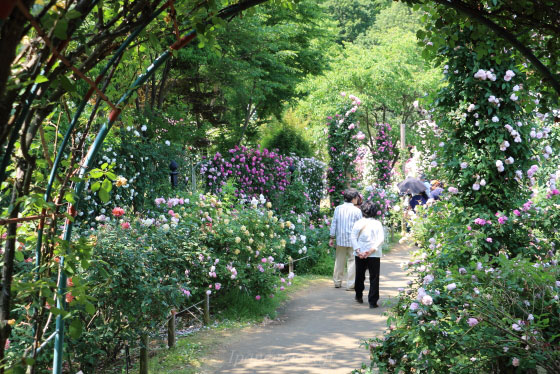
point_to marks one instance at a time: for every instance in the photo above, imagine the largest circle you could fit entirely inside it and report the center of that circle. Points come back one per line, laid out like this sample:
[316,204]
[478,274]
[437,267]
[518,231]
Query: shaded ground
[318,331]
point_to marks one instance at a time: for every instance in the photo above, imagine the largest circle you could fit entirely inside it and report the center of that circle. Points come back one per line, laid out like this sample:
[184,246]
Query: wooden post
[207,310]
[171,330]
[193,177]
[291,265]
[144,354]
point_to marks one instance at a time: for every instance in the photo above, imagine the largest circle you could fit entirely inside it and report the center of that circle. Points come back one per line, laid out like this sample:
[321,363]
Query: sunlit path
[319,330]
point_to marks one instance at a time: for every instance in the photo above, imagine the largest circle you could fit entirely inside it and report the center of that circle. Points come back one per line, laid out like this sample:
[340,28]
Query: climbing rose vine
[344,139]
[383,155]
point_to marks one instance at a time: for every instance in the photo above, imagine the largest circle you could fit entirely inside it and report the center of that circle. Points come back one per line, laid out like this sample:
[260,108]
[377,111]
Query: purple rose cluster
[253,171]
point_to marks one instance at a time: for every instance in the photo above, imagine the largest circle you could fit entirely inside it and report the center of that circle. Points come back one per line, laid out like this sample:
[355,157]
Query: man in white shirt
[345,215]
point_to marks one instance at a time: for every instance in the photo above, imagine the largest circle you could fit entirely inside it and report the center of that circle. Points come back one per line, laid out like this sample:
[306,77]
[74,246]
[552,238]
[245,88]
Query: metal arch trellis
[225,13]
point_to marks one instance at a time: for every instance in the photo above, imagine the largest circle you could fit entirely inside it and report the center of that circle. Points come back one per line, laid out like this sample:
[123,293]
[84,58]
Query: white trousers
[344,256]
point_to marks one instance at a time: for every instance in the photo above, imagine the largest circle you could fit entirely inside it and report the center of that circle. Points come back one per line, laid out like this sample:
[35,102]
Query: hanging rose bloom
[69,297]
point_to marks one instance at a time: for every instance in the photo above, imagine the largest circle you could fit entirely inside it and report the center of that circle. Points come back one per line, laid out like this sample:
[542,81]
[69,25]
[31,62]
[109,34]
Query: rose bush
[252,171]
[501,313]
[384,154]
[289,182]
[343,142]
[148,265]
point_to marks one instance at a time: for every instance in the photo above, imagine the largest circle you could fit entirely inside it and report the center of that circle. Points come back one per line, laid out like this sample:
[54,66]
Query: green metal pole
[75,119]
[98,142]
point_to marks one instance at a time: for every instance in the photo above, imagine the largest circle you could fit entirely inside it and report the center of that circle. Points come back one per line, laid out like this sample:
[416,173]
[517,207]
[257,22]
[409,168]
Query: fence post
[171,330]
[291,264]
[193,177]
[207,310]
[144,354]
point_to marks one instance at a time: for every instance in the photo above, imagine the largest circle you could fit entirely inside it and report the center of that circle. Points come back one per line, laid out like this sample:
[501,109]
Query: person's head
[359,200]
[371,210]
[350,194]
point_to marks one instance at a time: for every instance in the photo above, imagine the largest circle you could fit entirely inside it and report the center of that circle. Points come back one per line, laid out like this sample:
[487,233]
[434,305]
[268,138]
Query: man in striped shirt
[341,228]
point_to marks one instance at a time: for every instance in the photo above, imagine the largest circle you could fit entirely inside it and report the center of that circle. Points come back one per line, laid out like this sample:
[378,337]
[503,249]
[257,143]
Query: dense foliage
[286,141]
[461,299]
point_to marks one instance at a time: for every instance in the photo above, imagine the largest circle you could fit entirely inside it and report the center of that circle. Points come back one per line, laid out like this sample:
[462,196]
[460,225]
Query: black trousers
[372,264]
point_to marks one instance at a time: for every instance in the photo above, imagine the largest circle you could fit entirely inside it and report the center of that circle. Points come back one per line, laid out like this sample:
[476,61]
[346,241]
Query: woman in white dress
[367,237]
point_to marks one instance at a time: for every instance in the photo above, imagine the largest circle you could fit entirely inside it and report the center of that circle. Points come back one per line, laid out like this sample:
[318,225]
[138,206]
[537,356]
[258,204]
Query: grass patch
[325,263]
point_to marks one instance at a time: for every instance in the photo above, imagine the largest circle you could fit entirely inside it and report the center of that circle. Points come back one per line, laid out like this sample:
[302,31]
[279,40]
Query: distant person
[345,215]
[436,193]
[419,199]
[367,238]
[428,186]
[437,189]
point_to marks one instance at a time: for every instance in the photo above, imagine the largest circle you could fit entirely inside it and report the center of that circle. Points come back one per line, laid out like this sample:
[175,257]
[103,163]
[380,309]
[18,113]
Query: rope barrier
[299,259]
[177,313]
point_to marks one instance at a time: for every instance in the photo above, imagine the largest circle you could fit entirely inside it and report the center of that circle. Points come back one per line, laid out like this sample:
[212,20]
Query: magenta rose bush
[291,183]
[383,154]
[253,172]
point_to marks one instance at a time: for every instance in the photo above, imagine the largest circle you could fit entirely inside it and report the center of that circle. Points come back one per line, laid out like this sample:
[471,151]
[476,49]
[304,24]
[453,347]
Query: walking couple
[359,236]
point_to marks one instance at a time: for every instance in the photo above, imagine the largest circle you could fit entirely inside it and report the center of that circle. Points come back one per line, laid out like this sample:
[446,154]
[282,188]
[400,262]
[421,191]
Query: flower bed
[145,266]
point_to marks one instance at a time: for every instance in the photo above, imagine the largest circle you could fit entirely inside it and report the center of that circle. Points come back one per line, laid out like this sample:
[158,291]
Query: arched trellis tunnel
[181,41]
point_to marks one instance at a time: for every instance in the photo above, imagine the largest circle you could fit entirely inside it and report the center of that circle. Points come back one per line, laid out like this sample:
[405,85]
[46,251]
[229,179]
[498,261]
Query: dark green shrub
[287,141]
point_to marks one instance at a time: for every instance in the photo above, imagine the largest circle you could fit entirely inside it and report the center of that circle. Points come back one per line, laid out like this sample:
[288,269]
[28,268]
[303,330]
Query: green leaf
[19,256]
[112,176]
[104,195]
[95,173]
[56,311]
[90,308]
[67,84]
[76,329]
[69,196]
[107,185]
[73,13]
[95,187]
[41,79]
[60,29]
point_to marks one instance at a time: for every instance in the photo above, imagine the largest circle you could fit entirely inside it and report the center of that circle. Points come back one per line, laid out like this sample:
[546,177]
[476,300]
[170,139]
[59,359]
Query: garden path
[318,331]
